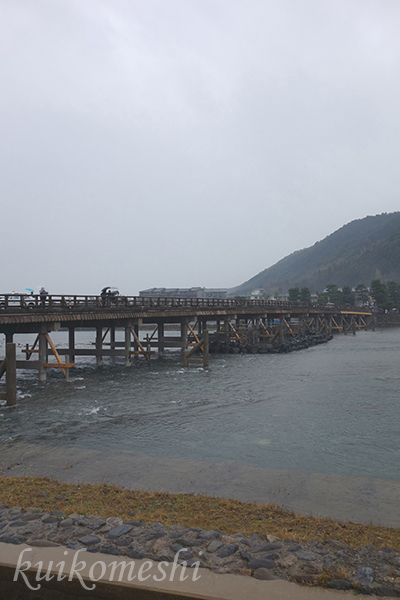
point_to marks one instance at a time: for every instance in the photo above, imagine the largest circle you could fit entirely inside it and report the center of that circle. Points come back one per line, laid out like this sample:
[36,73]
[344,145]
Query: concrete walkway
[358,499]
[209,586]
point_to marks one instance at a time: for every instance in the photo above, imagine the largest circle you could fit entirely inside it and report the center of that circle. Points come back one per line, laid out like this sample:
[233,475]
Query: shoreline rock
[367,570]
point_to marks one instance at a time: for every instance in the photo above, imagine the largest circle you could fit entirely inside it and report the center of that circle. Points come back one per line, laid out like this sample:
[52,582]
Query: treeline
[383,295]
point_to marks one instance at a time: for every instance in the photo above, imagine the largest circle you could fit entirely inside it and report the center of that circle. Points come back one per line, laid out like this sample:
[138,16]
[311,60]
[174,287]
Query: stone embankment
[367,569]
[288,345]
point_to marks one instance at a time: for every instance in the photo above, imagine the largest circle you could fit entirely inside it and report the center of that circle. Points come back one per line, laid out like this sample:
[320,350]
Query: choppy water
[329,409]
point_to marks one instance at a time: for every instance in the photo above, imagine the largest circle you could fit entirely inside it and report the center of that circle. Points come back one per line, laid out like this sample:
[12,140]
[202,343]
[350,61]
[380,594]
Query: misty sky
[189,142]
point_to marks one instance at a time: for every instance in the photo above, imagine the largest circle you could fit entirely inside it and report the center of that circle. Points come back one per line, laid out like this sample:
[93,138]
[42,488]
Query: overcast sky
[189,142]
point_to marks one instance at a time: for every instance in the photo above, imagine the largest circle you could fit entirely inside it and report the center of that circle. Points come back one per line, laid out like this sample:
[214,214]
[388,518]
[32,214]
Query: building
[193,292]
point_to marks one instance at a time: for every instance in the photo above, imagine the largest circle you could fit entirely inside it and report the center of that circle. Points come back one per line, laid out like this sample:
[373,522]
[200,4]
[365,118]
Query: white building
[193,292]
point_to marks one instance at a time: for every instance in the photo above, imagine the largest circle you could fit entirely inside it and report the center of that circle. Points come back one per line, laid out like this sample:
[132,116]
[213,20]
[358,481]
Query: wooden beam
[265,329]
[3,366]
[141,349]
[337,326]
[62,365]
[153,334]
[288,326]
[204,344]
[193,332]
[29,351]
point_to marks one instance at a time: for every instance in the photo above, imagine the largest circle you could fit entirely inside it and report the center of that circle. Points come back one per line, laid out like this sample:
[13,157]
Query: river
[331,409]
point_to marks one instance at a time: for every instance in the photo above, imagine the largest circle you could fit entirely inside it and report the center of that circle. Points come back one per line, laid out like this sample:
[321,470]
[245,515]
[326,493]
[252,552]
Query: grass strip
[188,510]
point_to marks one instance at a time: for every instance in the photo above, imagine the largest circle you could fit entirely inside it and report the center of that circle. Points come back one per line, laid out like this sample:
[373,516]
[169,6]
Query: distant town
[381,294]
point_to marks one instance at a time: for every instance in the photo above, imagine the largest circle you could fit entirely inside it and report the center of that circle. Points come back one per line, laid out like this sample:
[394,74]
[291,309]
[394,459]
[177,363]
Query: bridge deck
[83,310]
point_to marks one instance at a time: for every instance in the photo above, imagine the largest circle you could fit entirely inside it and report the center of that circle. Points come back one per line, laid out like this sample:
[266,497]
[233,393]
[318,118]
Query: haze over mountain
[358,252]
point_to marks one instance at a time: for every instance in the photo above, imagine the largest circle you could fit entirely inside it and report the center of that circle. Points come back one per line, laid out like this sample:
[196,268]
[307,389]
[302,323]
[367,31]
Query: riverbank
[225,536]
[366,500]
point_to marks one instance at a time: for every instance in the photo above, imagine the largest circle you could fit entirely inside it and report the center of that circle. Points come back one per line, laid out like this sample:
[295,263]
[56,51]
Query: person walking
[43,295]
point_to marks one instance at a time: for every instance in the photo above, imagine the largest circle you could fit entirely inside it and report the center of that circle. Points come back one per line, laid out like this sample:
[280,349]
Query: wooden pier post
[71,344]
[42,355]
[329,325]
[184,329]
[99,346]
[281,335]
[66,371]
[226,330]
[135,344]
[160,333]
[186,358]
[112,338]
[11,375]
[206,348]
[127,343]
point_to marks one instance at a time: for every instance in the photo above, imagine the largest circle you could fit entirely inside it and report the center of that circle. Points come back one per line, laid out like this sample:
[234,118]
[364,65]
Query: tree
[305,295]
[322,298]
[348,297]
[294,294]
[362,294]
[393,292]
[379,293]
[334,294]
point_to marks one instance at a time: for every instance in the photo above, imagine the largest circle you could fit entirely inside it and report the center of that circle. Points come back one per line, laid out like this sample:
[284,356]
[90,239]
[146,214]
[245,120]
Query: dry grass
[188,510]
[332,573]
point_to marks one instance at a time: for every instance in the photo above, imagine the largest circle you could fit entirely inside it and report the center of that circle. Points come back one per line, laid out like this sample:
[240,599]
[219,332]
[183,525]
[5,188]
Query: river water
[330,409]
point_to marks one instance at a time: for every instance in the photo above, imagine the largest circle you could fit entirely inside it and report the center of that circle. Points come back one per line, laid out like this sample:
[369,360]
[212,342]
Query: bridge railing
[10,303]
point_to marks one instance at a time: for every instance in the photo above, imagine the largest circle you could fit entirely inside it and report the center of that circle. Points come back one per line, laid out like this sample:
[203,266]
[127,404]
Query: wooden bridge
[257,321]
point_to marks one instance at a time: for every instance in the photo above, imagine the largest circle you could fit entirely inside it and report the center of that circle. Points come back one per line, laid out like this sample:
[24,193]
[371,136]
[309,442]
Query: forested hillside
[360,251]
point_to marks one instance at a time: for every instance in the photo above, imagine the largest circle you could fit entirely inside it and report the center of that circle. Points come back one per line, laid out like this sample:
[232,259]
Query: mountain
[358,252]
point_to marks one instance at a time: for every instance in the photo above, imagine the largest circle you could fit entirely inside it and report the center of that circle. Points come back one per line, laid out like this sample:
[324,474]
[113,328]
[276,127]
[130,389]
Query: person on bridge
[43,295]
[104,293]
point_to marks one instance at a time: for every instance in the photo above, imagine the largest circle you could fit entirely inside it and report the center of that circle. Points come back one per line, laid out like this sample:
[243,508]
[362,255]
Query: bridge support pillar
[112,339]
[329,321]
[160,332]
[67,360]
[99,346]
[281,335]
[9,338]
[42,355]
[226,329]
[11,375]
[135,344]
[184,329]
[127,344]
[71,343]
